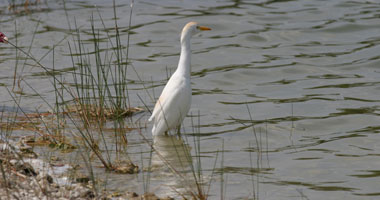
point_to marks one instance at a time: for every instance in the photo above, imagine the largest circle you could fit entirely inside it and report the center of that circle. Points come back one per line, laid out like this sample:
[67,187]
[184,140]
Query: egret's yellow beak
[204,28]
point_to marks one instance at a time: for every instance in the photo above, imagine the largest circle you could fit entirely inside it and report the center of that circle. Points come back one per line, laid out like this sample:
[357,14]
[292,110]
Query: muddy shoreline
[25,176]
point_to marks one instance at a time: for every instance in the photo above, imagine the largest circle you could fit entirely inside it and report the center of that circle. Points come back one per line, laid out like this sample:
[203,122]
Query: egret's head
[3,38]
[191,29]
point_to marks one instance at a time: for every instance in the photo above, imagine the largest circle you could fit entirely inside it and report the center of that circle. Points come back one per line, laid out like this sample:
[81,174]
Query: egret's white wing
[172,106]
[171,87]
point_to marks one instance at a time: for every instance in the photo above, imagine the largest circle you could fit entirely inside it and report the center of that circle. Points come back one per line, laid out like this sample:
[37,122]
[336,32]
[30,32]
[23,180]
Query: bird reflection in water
[171,151]
[172,158]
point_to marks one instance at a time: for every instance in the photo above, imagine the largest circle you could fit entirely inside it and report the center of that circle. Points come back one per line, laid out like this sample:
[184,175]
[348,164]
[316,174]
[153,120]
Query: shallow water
[306,70]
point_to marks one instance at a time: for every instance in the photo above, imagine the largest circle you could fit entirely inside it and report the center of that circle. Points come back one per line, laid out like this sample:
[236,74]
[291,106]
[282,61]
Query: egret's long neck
[184,66]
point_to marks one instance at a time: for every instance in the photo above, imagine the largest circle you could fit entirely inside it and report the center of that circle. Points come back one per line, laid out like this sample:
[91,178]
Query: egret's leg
[179,130]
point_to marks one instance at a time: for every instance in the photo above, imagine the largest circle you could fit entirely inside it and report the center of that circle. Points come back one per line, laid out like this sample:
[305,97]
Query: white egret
[3,38]
[174,102]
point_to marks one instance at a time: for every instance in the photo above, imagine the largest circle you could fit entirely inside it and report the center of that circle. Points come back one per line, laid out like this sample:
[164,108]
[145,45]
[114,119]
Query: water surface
[307,71]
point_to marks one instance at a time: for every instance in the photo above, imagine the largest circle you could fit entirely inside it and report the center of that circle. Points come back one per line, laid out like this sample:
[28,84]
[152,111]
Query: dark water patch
[355,111]
[213,91]
[244,170]
[368,129]
[85,4]
[215,124]
[319,150]
[222,36]
[215,133]
[351,135]
[255,31]
[351,4]
[208,49]
[55,72]
[315,186]
[361,148]
[279,82]
[368,174]
[191,13]
[156,55]
[272,46]
[350,155]
[49,28]
[367,194]
[260,149]
[271,66]
[334,76]
[311,44]
[144,44]
[322,25]
[371,40]
[294,148]
[308,158]
[123,30]
[281,101]
[233,5]
[316,141]
[333,188]
[347,85]
[374,58]
[360,100]
[374,154]
[321,55]
[144,60]
[249,122]
[225,68]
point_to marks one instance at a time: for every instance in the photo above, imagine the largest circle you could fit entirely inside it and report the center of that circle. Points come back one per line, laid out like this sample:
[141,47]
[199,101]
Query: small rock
[80,178]
[49,179]
[88,194]
[74,194]
[26,169]
[13,162]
